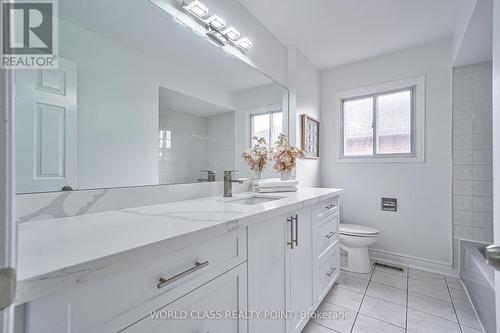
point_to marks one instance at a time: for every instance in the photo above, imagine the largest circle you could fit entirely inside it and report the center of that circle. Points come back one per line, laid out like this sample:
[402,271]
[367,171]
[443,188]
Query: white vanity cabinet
[276,268]
[326,255]
[286,271]
[213,307]
[115,301]
[299,268]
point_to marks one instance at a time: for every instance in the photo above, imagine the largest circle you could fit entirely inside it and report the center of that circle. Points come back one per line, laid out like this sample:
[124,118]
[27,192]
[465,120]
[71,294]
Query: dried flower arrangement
[258,156]
[285,156]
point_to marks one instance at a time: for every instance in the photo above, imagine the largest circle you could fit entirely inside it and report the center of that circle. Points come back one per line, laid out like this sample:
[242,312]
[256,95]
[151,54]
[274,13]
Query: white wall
[306,88]
[422,226]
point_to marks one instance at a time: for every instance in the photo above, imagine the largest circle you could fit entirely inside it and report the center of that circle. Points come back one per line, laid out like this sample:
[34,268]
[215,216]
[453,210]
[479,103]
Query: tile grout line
[453,304]
[362,299]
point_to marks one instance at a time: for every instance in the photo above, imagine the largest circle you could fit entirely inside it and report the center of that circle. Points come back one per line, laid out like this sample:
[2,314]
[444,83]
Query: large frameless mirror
[138,99]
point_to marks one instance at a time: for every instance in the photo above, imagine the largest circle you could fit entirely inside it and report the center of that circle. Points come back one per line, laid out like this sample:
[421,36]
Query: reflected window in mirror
[266,125]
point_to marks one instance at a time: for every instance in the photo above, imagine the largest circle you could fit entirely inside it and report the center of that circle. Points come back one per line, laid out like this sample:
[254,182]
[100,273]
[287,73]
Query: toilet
[355,239]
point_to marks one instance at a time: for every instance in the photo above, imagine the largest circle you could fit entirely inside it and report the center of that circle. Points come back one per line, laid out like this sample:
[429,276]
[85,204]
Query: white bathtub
[479,280]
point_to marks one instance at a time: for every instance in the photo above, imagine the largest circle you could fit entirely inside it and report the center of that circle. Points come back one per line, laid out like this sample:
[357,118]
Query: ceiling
[175,101]
[335,32]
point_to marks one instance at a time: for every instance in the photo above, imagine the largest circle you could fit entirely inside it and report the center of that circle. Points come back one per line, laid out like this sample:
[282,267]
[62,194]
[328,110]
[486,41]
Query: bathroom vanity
[251,263]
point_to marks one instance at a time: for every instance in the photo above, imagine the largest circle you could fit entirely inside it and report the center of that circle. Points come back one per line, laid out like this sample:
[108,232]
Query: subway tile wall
[196,143]
[472,155]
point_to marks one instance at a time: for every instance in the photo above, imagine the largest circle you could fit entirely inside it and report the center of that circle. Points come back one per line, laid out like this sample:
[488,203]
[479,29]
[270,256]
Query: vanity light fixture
[217,37]
[197,8]
[232,33]
[244,43]
[211,27]
[216,22]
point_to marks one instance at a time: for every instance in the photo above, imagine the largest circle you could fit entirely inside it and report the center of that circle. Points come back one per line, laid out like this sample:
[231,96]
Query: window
[266,125]
[384,121]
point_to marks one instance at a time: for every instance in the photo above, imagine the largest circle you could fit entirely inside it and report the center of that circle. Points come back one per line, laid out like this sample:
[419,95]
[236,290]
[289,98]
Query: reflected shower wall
[193,136]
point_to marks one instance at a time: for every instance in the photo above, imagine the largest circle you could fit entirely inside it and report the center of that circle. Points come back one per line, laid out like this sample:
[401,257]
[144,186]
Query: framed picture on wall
[310,137]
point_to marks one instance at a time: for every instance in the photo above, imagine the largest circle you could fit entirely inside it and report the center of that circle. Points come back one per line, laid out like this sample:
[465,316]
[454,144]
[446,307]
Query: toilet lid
[357,230]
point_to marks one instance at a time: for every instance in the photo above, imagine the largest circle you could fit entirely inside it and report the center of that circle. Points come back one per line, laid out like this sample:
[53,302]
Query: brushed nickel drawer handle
[330,235]
[296,218]
[330,206]
[165,282]
[332,270]
[292,241]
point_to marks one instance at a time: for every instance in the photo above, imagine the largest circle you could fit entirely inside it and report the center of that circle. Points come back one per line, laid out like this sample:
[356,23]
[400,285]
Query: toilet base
[358,259]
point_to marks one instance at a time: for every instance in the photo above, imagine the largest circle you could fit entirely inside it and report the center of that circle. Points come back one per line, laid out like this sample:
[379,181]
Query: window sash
[271,126]
[374,97]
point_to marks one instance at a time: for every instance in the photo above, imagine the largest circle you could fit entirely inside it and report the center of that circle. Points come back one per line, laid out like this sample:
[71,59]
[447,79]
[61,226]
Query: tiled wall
[472,155]
[219,147]
[182,160]
[196,143]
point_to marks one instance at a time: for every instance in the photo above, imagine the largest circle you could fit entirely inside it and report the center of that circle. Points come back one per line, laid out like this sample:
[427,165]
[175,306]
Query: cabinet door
[266,272]
[299,266]
[204,310]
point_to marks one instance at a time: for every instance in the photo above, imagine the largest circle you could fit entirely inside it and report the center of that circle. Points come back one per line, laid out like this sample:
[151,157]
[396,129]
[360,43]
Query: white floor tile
[339,319]
[383,310]
[428,277]
[389,280]
[344,297]
[353,283]
[420,322]
[460,299]
[366,276]
[429,289]
[454,283]
[366,324]
[387,293]
[467,317]
[466,329]
[315,328]
[433,306]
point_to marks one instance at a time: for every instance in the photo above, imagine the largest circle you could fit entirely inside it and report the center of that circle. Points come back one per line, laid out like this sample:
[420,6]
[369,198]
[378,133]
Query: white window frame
[417,155]
[270,109]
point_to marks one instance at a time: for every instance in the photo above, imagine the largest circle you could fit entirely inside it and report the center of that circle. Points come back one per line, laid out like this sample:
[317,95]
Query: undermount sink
[255,199]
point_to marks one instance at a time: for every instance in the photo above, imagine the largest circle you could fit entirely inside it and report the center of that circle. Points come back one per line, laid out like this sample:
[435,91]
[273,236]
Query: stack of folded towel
[275,185]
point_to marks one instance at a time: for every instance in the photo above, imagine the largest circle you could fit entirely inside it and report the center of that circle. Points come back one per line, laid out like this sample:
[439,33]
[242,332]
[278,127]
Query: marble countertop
[58,250]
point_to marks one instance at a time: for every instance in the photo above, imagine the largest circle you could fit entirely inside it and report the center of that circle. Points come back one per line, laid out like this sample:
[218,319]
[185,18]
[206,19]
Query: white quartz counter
[58,252]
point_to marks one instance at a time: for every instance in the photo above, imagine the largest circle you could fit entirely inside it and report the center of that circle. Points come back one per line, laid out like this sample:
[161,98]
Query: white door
[7,224]
[496,144]
[204,310]
[46,128]
[266,272]
[299,269]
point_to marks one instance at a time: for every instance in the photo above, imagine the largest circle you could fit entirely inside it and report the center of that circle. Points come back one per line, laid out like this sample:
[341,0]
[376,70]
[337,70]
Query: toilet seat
[357,230]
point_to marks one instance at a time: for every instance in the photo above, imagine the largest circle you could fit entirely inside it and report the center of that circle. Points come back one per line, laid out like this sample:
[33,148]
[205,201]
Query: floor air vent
[386,266]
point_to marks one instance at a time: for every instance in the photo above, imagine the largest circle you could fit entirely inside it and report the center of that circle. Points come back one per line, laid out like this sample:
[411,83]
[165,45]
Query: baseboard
[413,262]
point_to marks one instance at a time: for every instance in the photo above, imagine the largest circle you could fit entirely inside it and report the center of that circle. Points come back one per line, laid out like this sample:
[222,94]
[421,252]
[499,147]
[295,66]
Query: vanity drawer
[327,273]
[325,208]
[326,234]
[124,294]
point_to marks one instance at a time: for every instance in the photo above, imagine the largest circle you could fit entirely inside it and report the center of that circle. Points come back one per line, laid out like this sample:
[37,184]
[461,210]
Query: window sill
[380,159]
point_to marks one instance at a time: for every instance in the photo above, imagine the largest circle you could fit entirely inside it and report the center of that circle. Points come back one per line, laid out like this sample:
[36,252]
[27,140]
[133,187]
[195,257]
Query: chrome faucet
[210,176]
[228,183]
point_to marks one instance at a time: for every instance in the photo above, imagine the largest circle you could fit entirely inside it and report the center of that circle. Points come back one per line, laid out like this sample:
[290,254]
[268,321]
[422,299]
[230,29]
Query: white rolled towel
[276,183]
[276,189]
